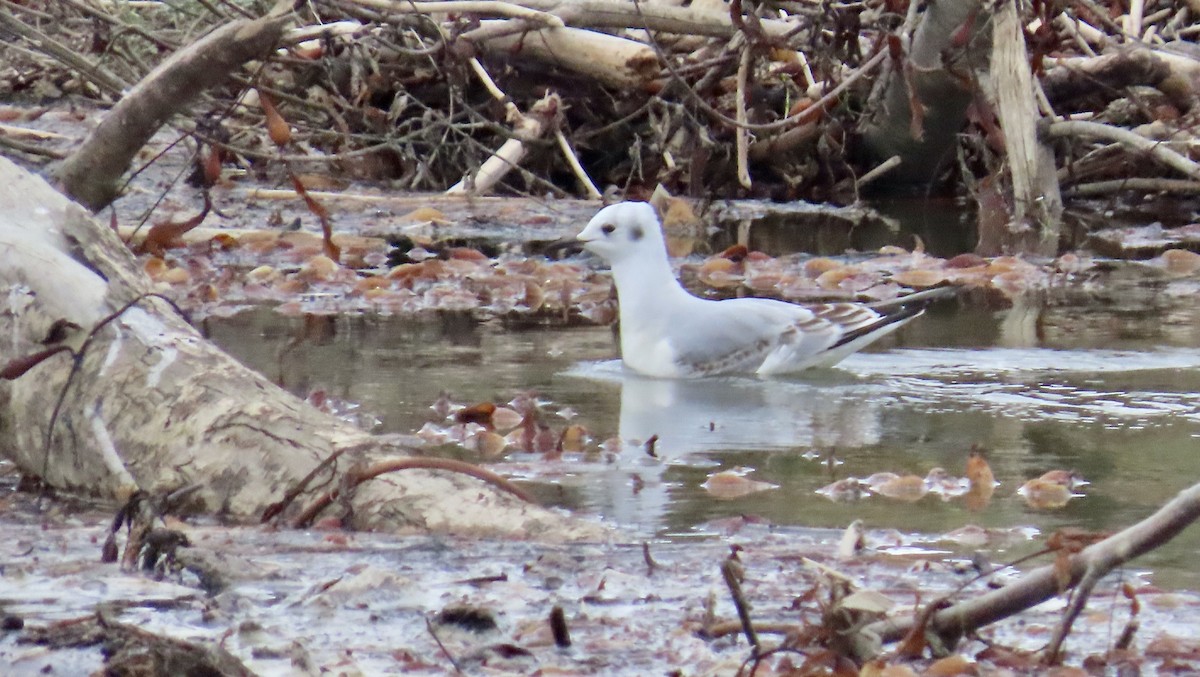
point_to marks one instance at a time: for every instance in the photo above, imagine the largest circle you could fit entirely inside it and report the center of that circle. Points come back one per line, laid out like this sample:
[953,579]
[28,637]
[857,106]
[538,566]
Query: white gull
[668,333]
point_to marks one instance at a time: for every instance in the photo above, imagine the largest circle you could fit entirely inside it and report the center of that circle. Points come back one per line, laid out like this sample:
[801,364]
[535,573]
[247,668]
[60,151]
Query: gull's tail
[894,314]
[921,299]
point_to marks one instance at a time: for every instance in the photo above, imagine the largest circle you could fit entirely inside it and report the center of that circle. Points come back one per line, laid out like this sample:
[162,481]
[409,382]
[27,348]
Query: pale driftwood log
[527,127]
[587,14]
[1042,583]
[156,407]
[1075,77]
[92,174]
[608,59]
[1036,201]
[1156,149]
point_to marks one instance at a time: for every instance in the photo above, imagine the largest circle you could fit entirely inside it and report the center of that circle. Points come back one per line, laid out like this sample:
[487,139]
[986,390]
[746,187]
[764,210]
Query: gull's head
[626,230]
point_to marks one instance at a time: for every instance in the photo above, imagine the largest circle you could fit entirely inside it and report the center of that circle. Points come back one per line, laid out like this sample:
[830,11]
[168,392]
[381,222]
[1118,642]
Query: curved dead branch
[1043,583]
[355,477]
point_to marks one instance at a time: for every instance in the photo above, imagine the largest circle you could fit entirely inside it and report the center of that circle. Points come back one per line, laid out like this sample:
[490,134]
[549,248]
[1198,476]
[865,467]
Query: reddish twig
[356,477]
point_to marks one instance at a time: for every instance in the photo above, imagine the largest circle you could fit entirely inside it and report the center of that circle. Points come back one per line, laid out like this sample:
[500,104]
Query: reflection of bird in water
[695,417]
[668,333]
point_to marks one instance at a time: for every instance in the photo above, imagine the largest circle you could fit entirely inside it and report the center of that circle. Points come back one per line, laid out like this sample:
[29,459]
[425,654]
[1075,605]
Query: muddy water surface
[1111,390]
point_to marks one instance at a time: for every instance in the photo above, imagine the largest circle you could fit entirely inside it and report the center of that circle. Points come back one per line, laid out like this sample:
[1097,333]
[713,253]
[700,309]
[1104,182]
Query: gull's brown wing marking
[753,353]
[848,316]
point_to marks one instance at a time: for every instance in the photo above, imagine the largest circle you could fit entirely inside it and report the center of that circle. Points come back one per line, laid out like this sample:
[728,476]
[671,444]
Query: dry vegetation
[786,100]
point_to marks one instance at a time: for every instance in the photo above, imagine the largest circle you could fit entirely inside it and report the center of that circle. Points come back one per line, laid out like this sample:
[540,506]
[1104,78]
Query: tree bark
[156,407]
[941,90]
[1036,201]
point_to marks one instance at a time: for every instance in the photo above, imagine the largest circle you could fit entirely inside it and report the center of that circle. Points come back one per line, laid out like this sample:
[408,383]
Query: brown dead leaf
[815,267]
[506,418]
[212,166]
[1181,261]
[18,366]
[720,273]
[535,296]
[154,267]
[163,236]
[736,253]
[277,128]
[320,268]
[573,438]
[421,214]
[175,276]
[832,279]
[479,413]
[978,471]
[1000,657]
[730,484]
[966,261]
[489,444]
[331,250]
[1044,495]
[951,666]
[919,278]
[466,254]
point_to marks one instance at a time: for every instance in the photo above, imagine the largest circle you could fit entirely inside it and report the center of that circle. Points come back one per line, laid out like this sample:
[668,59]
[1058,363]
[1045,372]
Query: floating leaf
[813,268]
[163,236]
[1181,261]
[478,413]
[731,484]
[1044,495]
[320,268]
[573,438]
[848,489]
[489,444]
[919,278]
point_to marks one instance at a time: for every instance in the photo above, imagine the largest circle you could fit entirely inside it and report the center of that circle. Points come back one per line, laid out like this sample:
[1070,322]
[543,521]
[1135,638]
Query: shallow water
[1112,392]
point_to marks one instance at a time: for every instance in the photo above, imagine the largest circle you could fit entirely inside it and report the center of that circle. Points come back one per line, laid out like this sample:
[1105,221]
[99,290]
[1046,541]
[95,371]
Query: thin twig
[742,134]
[883,168]
[355,477]
[103,79]
[31,149]
[442,647]
[572,160]
[782,123]
[731,572]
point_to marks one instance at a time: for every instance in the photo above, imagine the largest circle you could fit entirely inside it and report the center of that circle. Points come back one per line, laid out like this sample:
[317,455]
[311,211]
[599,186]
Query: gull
[667,332]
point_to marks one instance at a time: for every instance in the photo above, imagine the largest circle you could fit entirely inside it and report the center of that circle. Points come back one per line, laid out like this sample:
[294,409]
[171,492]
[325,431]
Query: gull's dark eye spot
[636,233]
[608,228]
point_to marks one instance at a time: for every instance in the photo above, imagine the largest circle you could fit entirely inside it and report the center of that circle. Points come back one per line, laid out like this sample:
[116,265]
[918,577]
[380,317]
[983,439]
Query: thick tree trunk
[942,90]
[156,407]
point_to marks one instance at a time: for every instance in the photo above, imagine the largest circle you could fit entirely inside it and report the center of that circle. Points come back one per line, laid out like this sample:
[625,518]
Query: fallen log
[151,405]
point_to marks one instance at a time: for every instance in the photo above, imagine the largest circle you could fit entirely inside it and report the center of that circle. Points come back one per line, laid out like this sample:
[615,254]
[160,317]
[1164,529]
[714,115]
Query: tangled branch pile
[786,99]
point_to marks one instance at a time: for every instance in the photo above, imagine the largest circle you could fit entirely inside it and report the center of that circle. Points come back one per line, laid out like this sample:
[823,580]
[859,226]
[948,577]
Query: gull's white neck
[647,291]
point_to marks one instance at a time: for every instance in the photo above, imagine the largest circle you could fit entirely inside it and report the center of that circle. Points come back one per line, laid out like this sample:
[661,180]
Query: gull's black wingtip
[897,311]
